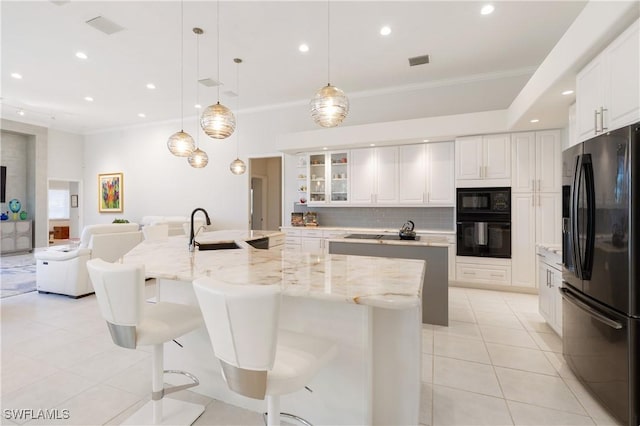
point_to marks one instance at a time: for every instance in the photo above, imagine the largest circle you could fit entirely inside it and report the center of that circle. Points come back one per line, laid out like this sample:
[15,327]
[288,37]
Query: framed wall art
[110,192]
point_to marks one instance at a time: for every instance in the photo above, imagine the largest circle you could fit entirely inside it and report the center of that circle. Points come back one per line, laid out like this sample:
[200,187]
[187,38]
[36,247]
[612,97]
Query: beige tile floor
[497,363]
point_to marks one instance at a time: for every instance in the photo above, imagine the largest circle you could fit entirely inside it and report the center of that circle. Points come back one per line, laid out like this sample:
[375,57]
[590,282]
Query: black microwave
[494,203]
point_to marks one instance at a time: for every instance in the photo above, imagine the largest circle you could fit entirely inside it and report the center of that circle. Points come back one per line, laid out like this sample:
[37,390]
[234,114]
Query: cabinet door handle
[533,184]
[539,184]
[480,171]
[602,111]
[595,122]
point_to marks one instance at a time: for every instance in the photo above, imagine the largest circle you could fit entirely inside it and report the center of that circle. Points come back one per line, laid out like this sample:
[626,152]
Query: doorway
[64,212]
[265,193]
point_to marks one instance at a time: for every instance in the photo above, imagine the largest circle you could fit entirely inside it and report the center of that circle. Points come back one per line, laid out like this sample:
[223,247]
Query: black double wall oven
[483,222]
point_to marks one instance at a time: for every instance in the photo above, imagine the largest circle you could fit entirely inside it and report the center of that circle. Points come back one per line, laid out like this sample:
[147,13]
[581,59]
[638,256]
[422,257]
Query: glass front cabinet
[328,178]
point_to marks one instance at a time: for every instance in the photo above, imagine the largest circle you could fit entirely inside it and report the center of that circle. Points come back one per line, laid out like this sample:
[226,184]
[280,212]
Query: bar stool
[120,292]
[258,360]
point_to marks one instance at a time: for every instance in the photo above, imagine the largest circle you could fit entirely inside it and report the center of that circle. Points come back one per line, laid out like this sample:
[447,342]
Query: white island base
[374,379]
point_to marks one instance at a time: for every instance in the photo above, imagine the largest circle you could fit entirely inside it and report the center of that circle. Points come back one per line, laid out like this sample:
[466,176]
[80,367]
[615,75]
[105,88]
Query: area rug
[17,274]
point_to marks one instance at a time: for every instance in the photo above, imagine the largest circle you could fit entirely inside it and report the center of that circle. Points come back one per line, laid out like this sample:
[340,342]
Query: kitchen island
[369,306]
[435,251]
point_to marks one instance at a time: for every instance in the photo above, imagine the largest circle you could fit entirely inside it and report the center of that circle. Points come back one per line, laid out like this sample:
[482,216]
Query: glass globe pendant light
[237,166]
[329,106]
[181,144]
[217,120]
[198,158]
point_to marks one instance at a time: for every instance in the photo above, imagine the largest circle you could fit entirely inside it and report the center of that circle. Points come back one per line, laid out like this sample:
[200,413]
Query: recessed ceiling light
[324,147]
[425,140]
[304,48]
[385,31]
[372,144]
[88,98]
[21,112]
[535,120]
[142,115]
[197,106]
[16,76]
[567,92]
[81,55]
[151,86]
[487,9]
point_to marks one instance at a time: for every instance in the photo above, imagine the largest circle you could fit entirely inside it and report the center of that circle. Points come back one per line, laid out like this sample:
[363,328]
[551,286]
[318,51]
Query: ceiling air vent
[209,82]
[59,2]
[104,25]
[418,60]
[230,93]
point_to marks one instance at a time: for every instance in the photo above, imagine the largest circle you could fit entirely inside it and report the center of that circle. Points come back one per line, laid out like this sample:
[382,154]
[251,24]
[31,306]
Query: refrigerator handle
[566,294]
[589,181]
[575,203]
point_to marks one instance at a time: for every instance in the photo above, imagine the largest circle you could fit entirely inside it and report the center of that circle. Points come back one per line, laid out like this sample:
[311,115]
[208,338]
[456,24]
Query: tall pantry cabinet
[536,200]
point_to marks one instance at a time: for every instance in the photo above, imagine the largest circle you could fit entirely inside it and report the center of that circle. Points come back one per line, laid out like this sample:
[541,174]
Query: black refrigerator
[601,257]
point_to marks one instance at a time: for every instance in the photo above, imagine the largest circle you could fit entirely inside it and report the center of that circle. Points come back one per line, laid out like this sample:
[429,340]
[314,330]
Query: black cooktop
[376,237]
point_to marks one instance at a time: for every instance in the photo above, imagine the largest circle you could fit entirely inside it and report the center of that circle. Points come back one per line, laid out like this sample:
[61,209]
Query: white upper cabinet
[386,175]
[608,88]
[413,182]
[374,175]
[363,168]
[536,161]
[439,171]
[483,160]
[469,160]
[523,154]
[548,161]
[426,174]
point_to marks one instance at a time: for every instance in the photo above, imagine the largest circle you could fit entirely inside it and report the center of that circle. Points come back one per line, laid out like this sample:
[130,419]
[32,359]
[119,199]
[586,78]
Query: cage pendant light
[237,166]
[329,106]
[181,144]
[217,120]
[198,158]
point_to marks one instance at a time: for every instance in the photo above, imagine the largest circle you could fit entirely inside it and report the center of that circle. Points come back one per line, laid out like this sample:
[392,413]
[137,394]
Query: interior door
[257,218]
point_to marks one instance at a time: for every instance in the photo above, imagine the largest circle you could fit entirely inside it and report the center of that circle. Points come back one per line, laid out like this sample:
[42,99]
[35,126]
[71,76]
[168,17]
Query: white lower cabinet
[549,284]
[481,270]
[308,240]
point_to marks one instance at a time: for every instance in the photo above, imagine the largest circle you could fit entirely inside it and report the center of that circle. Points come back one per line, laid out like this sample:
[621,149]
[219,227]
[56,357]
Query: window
[58,204]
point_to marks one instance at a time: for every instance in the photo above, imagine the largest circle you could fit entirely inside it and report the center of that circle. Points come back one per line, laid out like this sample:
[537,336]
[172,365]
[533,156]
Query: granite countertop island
[369,306]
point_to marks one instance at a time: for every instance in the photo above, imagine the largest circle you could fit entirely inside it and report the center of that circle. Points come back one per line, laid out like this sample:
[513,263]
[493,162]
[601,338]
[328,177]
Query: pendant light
[181,144]
[217,120]
[237,166]
[329,106]
[198,158]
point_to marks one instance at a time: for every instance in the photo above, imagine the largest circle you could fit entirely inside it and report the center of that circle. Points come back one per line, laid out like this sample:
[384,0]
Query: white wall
[65,156]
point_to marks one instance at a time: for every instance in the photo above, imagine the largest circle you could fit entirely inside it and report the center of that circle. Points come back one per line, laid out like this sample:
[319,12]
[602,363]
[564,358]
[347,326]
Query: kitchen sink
[222,245]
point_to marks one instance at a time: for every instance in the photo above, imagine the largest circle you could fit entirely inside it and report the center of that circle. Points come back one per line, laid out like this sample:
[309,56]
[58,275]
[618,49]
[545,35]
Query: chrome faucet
[192,237]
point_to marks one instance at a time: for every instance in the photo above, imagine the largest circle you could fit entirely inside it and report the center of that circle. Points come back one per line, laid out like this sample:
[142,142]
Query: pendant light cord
[238,61]
[197,84]
[181,66]
[328,44]
[218,44]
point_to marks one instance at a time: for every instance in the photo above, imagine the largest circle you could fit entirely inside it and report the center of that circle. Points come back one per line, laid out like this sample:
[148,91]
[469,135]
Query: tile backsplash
[432,218]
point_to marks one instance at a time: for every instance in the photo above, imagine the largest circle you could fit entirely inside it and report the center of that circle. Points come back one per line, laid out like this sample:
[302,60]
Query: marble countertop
[354,229]
[425,240]
[234,235]
[374,281]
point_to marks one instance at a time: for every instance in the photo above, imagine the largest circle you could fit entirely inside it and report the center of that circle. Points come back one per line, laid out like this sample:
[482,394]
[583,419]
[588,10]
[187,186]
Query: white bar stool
[258,360]
[132,322]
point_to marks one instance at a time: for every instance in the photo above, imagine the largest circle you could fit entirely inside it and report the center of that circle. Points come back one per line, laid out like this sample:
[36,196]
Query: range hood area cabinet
[426,174]
[483,161]
[374,178]
[608,88]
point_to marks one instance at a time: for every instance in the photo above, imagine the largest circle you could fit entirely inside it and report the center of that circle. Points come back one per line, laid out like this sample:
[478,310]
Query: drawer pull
[469,273]
[496,275]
